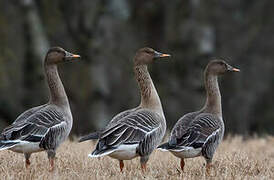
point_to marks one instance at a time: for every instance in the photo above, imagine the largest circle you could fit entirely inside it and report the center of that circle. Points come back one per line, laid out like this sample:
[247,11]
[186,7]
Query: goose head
[145,56]
[219,67]
[56,55]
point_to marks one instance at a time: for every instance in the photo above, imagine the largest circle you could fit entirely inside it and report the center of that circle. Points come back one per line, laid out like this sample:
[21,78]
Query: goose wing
[26,114]
[115,119]
[41,126]
[121,115]
[182,125]
[142,127]
[203,129]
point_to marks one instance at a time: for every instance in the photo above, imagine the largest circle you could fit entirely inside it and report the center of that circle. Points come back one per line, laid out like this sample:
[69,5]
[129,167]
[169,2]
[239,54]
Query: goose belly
[26,147]
[187,153]
[125,152]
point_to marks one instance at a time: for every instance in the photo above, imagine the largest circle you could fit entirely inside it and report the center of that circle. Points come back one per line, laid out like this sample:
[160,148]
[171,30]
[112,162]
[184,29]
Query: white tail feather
[101,154]
[162,149]
[5,145]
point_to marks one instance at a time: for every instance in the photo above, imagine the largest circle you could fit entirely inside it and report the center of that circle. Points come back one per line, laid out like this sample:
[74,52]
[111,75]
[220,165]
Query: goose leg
[51,156]
[182,164]
[208,166]
[121,165]
[143,161]
[27,156]
[144,167]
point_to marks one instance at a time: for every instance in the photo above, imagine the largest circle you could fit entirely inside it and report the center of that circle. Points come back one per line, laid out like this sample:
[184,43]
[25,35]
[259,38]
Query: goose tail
[7,144]
[100,153]
[164,147]
[91,136]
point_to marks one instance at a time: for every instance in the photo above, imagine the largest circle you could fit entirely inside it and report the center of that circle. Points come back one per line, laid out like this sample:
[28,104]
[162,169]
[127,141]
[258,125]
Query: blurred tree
[107,33]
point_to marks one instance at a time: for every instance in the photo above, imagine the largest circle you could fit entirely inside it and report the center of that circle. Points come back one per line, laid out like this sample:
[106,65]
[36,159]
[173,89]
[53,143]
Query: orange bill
[236,70]
[164,55]
[76,56]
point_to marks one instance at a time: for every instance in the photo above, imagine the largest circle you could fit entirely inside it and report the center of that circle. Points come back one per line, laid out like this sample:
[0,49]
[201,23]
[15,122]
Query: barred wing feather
[204,127]
[26,114]
[182,125]
[136,128]
[115,120]
[121,115]
[37,127]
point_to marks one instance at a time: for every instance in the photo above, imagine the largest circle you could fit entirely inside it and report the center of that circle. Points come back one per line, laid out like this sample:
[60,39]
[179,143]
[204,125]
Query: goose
[199,133]
[45,127]
[138,131]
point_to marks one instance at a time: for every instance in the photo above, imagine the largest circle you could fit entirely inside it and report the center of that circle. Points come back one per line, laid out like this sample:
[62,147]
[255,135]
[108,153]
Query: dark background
[107,34]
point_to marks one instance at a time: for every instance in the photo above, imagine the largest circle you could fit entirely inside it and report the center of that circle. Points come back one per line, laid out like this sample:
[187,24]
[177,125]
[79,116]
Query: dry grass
[235,159]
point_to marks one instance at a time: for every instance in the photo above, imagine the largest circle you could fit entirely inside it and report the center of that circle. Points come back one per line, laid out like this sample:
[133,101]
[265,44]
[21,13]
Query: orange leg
[208,168]
[121,165]
[51,163]
[27,163]
[182,164]
[144,167]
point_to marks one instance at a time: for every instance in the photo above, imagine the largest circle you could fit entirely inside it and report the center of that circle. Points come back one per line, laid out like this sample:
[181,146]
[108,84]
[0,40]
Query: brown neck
[213,102]
[149,95]
[57,91]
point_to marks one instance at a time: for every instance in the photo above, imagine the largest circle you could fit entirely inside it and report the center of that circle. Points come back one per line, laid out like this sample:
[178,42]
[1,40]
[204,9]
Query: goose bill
[159,55]
[70,56]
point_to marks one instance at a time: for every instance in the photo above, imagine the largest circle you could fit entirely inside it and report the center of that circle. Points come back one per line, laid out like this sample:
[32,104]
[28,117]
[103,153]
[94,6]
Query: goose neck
[213,102]
[56,88]
[149,95]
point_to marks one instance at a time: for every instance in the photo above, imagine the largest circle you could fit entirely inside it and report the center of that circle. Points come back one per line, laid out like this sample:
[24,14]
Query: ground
[234,159]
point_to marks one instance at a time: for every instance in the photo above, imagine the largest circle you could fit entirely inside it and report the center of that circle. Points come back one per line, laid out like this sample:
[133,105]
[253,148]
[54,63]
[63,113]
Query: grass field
[234,159]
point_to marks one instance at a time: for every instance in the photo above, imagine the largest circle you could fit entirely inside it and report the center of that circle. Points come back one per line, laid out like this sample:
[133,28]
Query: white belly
[125,152]
[26,147]
[187,153]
